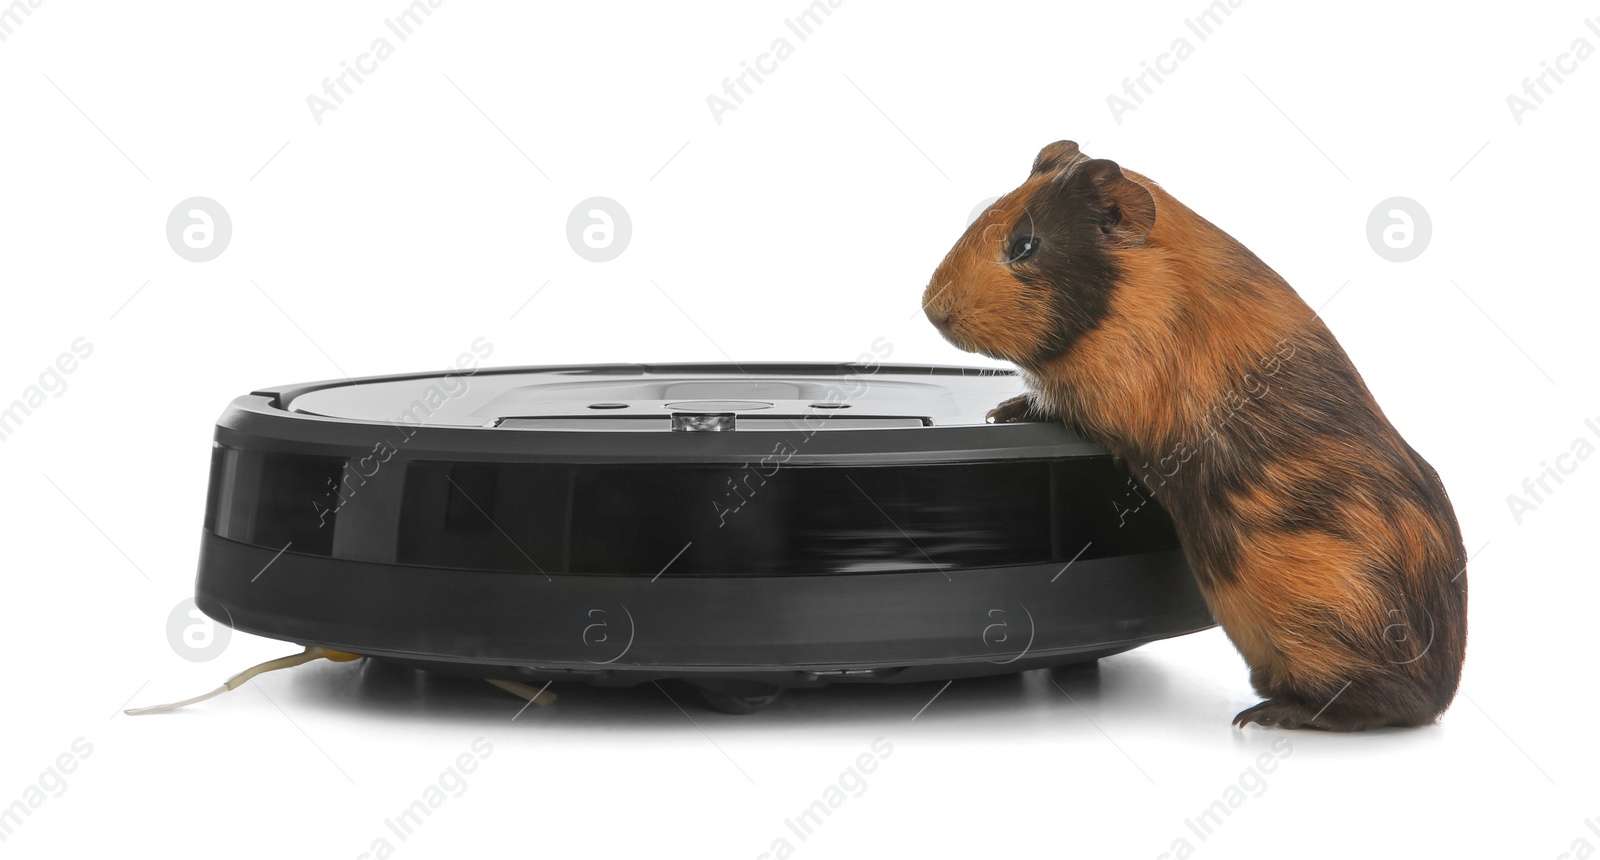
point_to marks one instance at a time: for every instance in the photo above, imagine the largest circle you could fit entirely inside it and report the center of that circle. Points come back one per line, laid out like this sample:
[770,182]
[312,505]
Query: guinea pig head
[1036,271]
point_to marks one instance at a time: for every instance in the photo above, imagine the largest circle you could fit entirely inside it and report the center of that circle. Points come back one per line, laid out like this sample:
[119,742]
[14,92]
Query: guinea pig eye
[1023,248]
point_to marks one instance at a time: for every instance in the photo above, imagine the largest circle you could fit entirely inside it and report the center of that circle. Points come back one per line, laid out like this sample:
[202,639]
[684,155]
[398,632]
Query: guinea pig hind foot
[1288,714]
[1284,714]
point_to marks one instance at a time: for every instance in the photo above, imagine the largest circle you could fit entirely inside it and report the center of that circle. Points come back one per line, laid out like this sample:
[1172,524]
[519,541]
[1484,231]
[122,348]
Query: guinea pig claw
[1277,713]
[1015,409]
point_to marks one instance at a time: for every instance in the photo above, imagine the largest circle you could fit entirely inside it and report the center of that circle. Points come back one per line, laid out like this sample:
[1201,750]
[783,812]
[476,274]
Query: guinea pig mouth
[947,319]
[945,322]
[949,328]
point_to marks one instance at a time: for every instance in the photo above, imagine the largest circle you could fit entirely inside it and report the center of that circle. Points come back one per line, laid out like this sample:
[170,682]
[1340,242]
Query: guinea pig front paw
[1019,408]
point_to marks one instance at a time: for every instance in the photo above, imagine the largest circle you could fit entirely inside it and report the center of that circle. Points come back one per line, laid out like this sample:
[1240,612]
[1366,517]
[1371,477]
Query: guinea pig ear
[1055,156]
[1125,208]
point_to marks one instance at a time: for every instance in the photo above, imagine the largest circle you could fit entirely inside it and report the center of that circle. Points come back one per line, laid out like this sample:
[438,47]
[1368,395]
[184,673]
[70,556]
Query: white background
[802,227]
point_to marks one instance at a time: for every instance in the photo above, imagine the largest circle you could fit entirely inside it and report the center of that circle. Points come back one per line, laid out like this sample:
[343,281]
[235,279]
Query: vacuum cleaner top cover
[571,403]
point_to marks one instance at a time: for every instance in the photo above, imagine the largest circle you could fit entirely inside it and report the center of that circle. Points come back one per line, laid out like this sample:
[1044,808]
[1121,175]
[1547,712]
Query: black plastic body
[907,547]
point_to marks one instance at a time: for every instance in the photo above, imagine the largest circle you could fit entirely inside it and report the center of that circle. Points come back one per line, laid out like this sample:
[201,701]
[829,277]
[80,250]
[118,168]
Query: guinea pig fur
[1324,545]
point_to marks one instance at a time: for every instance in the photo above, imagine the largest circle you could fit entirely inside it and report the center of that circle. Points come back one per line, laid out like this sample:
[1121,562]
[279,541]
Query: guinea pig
[1325,547]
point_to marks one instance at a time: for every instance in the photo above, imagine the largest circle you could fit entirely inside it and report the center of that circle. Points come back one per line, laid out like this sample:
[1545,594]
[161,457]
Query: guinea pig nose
[940,319]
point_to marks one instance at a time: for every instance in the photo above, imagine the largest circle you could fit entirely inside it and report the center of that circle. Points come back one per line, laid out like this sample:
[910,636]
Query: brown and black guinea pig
[1324,545]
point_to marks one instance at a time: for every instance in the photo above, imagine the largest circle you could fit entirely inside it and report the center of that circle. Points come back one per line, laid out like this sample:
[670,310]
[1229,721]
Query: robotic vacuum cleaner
[743,528]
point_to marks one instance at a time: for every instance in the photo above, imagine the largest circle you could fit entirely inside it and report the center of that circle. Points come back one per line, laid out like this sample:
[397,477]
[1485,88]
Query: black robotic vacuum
[743,528]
